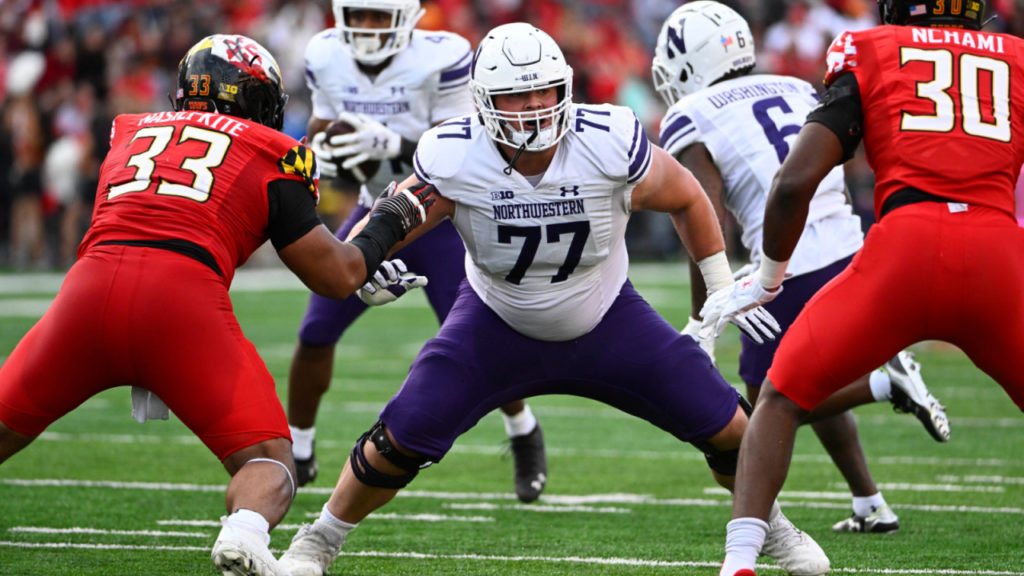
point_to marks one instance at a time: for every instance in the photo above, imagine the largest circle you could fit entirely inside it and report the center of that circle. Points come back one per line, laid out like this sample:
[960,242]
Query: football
[345,177]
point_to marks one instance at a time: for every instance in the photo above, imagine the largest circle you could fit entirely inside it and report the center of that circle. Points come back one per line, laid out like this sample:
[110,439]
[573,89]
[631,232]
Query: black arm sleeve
[840,111]
[292,212]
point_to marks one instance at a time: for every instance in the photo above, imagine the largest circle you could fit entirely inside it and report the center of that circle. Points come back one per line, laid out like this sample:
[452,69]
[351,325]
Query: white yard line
[567,502]
[583,560]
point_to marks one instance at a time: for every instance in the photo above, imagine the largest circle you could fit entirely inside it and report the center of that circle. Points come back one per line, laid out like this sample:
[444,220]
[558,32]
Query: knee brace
[369,475]
[724,462]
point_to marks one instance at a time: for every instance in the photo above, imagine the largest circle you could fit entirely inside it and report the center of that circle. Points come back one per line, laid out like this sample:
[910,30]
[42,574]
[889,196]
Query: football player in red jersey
[184,198]
[937,104]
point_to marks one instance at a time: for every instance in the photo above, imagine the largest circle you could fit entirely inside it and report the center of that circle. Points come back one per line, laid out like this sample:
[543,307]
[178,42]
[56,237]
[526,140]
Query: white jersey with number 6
[747,124]
[549,258]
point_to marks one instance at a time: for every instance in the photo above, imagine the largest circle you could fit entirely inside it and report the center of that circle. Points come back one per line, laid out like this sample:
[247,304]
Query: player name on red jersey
[220,122]
[965,38]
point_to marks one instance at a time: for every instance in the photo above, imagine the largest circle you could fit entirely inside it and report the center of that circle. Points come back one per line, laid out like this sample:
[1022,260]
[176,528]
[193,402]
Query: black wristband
[381,232]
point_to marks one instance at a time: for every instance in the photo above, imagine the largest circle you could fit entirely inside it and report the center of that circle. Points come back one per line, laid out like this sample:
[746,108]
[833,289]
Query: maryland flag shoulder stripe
[300,161]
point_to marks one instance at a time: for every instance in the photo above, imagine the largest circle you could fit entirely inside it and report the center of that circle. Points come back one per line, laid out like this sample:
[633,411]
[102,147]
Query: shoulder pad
[678,130]
[301,162]
[841,57]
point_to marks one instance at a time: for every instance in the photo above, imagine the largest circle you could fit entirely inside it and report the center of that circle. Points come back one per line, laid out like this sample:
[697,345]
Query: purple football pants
[439,255]
[755,359]
[633,360]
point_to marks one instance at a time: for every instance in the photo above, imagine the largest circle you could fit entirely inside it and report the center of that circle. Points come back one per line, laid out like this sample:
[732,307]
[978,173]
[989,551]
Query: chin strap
[521,149]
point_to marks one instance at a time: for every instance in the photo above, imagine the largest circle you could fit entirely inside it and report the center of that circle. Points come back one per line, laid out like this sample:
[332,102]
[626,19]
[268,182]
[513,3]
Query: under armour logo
[398,90]
[574,190]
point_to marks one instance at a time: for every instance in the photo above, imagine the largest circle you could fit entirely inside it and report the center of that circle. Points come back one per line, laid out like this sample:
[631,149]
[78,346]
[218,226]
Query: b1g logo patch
[301,161]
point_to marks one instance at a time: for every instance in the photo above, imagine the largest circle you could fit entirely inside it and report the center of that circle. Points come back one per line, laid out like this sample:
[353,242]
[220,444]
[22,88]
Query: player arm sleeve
[292,212]
[840,111]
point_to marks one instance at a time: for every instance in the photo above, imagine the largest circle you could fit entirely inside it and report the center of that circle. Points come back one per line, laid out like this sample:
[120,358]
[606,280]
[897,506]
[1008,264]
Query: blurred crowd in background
[67,67]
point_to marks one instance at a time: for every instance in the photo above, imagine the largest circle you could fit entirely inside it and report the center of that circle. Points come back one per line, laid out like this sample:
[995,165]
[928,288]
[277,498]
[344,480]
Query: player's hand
[740,304]
[391,280]
[692,329]
[410,205]
[324,155]
[371,140]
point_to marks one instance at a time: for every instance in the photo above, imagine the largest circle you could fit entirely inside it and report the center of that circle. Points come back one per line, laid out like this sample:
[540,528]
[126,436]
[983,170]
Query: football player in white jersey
[391,82]
[732,129]
[540,190]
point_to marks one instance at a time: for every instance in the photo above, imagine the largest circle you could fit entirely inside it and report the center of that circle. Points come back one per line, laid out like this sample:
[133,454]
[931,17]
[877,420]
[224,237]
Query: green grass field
[99,494]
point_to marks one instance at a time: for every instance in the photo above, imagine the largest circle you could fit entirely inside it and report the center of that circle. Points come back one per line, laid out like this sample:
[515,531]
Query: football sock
[881,386]
[743,542]
[251,522]
[519,424]
[332,524]
[302,442]
[865,506]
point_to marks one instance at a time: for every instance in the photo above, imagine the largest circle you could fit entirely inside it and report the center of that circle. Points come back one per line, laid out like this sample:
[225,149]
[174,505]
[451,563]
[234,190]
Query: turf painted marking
[631,562]
[80,530]
[547,499]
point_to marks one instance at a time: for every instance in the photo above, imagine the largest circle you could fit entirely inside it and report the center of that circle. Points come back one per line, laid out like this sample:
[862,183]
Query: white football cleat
[909,394]
[236,553]
[311,552]
[794,551]
[880,521]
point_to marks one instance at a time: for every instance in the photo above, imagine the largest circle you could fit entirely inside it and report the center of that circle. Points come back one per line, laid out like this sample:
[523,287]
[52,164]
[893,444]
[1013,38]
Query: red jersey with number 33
[943,110]
[197,177]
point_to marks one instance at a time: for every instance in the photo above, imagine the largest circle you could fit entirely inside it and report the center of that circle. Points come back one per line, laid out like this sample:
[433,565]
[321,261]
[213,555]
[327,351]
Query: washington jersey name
[424,84]
[549,258]
[748,124]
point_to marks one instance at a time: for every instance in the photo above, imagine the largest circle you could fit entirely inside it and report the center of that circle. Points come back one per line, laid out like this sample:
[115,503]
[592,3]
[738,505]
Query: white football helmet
[699,43]
[374,45]
[519,57]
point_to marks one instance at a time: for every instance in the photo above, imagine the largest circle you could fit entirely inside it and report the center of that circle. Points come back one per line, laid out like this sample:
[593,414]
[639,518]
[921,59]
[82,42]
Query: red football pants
[924,273]
[151,318]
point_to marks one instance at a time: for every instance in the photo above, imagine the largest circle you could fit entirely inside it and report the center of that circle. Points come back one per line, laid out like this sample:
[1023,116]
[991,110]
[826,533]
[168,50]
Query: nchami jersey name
[538,209]
[964,38]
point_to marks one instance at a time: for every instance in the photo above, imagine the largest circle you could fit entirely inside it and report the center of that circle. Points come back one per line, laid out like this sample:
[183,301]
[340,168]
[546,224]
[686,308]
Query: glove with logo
[740,304]
[371,140]
[410,205]
[391,280]
[324,155]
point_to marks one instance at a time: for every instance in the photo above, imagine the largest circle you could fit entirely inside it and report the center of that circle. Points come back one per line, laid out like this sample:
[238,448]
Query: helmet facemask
[372,46]
[518,58]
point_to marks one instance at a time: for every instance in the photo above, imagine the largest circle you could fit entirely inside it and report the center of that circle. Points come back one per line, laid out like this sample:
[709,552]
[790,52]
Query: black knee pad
[369,475]
[722,462]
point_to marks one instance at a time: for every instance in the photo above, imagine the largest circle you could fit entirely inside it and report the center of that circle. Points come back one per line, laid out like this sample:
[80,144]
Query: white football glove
[370,141]
[324,155]
[740,304]
[391,280]
[692,329]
